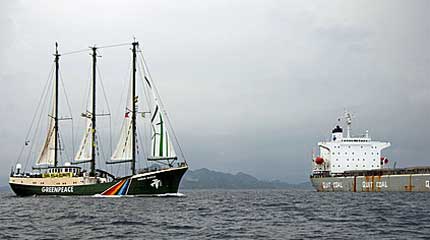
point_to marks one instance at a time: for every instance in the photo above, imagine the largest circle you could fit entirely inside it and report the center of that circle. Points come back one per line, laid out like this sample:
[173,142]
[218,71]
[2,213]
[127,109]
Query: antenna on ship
[348,119]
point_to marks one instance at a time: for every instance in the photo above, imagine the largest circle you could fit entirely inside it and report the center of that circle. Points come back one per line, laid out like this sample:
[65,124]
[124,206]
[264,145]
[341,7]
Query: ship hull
[150,183]
[373,183]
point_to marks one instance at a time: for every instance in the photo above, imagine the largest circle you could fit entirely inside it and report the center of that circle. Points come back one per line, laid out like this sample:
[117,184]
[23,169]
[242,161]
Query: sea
[219,214]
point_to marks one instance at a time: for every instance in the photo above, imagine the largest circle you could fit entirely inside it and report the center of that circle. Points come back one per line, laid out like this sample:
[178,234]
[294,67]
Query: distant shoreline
[205,179]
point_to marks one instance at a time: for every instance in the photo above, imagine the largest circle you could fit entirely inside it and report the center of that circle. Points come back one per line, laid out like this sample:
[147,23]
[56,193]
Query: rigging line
[64,148]
[122,119]
[69,108]
[119,107]
[86,49]
[144,89]
[107,105]
[74,52]
[103,89]
[45,95]
[148,130]
[114,45]
[35,112]
[162,105]
[100,149]
[84,105]
[142,146]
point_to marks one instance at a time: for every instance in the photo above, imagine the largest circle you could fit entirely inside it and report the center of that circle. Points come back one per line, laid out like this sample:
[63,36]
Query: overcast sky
[251,86]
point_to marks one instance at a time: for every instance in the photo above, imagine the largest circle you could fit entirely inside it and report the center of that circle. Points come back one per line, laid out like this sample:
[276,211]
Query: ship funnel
[337,134]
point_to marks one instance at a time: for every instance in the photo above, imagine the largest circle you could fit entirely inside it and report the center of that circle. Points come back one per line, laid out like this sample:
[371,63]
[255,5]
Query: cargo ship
[53,173]
[349,163]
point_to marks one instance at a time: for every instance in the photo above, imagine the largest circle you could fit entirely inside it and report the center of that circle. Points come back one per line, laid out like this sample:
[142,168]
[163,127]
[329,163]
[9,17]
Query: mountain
[208,179]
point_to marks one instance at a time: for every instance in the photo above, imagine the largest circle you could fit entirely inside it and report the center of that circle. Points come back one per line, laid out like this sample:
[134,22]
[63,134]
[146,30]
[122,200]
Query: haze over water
[219,214]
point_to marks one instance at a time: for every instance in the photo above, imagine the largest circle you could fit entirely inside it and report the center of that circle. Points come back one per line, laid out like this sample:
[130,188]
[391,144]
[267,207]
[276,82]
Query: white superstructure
[350,153]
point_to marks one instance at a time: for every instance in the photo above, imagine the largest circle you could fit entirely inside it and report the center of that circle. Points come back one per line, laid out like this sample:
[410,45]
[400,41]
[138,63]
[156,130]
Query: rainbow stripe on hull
[121,188]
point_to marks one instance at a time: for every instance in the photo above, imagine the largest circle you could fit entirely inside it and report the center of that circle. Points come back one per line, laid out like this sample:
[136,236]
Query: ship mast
[93,116]
[57,59]
[133,116]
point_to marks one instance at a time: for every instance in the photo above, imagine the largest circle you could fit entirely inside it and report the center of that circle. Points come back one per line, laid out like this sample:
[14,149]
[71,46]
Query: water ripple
[247,214]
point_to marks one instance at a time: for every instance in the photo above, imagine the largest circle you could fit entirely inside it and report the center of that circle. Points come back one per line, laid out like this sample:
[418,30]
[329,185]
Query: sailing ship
[51,177]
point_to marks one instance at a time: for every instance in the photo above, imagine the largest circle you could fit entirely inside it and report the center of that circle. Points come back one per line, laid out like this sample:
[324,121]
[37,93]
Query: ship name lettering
[145,178]
[382,184]
[57,189]
[326,185]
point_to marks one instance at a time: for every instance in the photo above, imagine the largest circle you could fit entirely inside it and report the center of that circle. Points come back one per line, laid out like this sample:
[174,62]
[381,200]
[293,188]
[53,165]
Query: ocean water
[219,214]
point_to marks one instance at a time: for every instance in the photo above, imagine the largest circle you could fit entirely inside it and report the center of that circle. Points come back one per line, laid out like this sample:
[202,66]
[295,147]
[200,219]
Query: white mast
[348,119]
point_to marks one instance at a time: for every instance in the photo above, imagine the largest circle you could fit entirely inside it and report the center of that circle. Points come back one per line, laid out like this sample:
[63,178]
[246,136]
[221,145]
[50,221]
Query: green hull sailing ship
[51,177]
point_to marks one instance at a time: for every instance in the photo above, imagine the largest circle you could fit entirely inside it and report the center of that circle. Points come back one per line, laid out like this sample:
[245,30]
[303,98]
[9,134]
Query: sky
[250,86]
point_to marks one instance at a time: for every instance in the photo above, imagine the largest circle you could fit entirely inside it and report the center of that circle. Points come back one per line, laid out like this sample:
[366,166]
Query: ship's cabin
[62,171]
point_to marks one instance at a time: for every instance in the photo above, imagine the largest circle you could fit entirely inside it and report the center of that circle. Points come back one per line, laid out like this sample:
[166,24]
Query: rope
[108,107]
[34,116]
[86,49]
[70,110]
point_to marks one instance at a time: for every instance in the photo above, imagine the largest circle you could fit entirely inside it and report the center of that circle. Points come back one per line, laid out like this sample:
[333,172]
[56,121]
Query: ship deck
[376,172]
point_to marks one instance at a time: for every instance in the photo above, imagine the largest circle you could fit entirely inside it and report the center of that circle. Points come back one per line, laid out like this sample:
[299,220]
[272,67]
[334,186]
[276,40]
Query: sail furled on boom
[47,154]
[85,148]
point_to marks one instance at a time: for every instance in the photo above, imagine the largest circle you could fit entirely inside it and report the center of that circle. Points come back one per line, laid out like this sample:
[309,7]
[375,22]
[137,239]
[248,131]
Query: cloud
[251,86]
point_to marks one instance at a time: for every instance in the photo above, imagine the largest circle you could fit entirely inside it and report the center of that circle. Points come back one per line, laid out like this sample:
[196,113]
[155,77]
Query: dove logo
[156,183]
